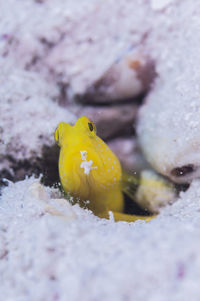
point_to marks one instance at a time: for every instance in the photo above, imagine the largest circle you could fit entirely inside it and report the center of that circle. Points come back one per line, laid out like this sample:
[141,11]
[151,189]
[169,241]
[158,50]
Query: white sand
[46,257]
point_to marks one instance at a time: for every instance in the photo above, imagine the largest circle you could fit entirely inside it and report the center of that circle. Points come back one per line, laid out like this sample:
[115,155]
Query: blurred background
[61,60]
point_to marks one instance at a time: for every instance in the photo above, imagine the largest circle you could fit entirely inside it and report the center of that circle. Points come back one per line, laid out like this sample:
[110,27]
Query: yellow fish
[90,172]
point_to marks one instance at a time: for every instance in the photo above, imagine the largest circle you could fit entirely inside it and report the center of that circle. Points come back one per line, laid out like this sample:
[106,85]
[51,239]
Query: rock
[129,154]
[72,43]
[92,50]
[129,76]
[110,121]
[154,192]
[168,122]
[168,131]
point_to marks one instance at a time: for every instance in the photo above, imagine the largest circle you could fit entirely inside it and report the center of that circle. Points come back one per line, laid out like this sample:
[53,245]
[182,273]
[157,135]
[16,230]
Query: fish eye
[90,125]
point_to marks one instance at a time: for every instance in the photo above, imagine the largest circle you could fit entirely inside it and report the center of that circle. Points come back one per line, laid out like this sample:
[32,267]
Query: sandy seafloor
[82,257]
[74,255]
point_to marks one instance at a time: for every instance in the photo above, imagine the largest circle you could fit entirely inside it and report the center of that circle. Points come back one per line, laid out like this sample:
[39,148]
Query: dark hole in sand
[131,207]
[183,170]
[47,165]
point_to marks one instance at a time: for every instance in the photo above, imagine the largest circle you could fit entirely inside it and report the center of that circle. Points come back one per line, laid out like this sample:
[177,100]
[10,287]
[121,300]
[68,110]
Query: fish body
[89,171]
